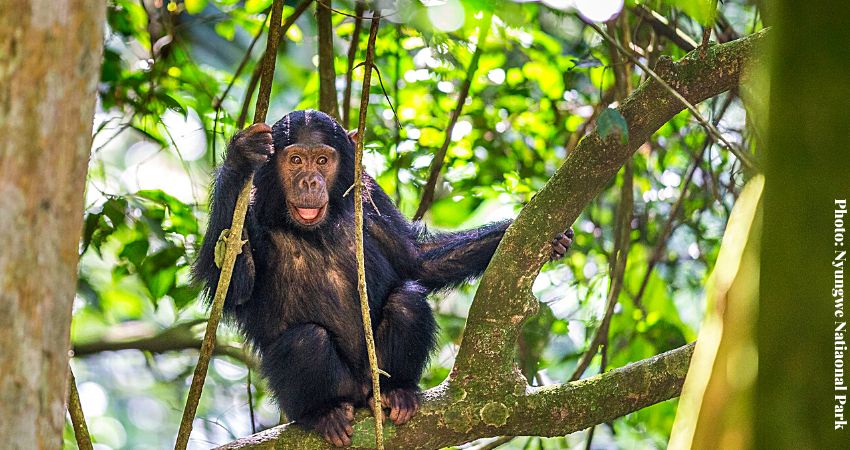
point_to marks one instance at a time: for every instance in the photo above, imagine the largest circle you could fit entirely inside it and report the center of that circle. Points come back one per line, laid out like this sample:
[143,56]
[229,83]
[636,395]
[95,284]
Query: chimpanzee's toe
[403,404]
[335,425]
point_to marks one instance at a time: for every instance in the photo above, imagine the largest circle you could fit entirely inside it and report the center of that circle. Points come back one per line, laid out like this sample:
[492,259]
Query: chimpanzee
[294,287]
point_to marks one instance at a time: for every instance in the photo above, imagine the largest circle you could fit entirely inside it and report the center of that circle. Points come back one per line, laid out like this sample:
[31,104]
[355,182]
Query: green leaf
[164,258]
[226,30]
[115,209]
[136,251]
[174,104]
[195,6]
[183,295]
[611,122]
[256,6]
[703,11]
[161,282]
[89,228]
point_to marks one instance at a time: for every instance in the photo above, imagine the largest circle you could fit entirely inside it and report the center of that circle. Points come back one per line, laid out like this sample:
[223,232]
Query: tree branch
[504,300]
[359,8]
[75,410]
[452,416]
[181,336]
[327,72]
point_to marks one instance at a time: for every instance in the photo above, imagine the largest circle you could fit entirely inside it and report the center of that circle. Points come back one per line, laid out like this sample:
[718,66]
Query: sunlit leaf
[611,123]
[195,6]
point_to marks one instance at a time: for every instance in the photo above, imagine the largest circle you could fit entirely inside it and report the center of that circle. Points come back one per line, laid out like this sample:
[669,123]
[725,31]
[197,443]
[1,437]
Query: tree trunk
[806,169]
[50,53]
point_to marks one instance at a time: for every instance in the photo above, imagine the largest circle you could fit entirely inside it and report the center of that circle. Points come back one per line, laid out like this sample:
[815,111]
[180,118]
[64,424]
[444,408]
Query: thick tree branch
[504,300]
[451,416]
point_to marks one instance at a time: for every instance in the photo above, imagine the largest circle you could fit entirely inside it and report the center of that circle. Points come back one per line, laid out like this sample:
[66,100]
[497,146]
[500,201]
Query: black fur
[294,291]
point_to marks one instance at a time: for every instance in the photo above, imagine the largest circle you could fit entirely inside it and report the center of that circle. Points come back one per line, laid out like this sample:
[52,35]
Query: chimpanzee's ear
[354,136]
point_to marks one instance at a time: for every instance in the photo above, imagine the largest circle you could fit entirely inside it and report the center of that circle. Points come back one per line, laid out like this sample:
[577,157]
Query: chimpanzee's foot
[335,425]
[562,243]
[403,404]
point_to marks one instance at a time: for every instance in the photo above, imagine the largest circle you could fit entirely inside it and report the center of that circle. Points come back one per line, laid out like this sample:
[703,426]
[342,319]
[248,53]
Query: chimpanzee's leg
[313,385]
[404,339]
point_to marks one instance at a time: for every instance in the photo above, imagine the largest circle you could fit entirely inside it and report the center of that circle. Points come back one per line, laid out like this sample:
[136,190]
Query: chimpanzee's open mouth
[308,216]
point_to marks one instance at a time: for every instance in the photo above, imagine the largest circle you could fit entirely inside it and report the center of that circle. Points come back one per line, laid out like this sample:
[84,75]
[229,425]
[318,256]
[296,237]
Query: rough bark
[451,416]
[50,53]
[484,394]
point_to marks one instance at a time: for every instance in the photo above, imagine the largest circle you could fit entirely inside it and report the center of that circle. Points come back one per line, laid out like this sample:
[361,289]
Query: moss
[458,418]
[495,414]
[364,432]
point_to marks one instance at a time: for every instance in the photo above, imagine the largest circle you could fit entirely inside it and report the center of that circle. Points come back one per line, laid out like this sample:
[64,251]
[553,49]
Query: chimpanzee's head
[303,184]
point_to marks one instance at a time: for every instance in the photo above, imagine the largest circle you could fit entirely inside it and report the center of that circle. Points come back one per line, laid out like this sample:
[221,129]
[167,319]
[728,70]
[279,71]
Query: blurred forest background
[171,91]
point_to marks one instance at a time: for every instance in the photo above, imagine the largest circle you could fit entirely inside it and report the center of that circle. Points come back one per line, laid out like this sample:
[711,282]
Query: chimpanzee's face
[308,169]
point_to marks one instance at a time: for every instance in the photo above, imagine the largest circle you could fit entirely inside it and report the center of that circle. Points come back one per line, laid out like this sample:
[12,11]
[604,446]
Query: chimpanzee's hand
[561,243]
[250,148]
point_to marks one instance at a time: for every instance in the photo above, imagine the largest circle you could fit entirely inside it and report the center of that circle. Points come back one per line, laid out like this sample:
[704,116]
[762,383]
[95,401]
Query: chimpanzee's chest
[303,280]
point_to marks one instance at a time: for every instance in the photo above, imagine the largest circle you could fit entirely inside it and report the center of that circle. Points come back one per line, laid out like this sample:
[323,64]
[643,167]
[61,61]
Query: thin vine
[234,241]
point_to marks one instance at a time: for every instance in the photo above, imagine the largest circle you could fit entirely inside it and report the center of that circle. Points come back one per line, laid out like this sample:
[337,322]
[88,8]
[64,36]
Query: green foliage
[611,123]
[543,76]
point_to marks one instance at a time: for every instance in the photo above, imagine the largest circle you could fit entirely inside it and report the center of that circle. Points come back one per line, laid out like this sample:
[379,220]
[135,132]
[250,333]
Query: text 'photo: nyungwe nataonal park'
[424,224]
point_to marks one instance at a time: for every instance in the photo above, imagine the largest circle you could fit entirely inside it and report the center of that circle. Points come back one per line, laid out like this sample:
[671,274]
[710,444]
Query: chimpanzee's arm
[448,259]
[247,151]
[388,226]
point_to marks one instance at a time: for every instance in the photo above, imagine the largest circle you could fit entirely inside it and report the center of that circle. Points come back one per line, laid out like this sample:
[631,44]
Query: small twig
[233,243]
[663,27]
[241,66]
[706,37]
[249,94]
[358,230]
[387,96]
[250,398]
[617,270]
[180,336]
[75,409]
[376,16]
[745,158]
[498,442]
[440,156]
[349,73]
[674,212]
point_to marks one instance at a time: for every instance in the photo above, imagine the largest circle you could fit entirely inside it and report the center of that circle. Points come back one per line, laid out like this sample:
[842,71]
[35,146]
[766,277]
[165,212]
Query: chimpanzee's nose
[312,183]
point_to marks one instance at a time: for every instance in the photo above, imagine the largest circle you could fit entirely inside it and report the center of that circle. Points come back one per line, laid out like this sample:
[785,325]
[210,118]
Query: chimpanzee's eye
[295,159]
[322,160]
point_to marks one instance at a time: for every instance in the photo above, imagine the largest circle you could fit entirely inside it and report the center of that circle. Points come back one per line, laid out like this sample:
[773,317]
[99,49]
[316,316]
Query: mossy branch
[451,416]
